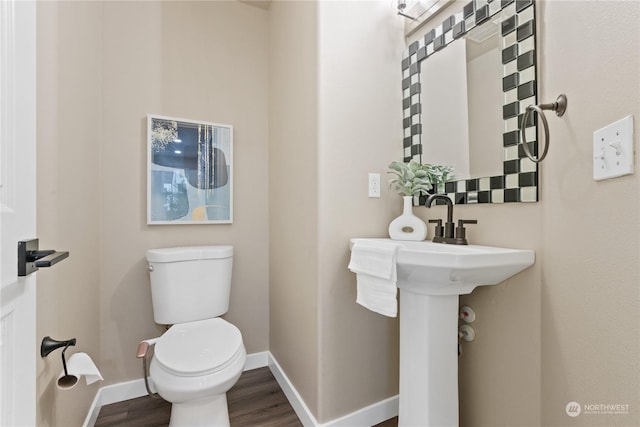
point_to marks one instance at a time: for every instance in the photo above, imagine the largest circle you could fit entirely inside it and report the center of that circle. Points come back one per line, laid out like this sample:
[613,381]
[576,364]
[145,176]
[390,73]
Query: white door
[18,345]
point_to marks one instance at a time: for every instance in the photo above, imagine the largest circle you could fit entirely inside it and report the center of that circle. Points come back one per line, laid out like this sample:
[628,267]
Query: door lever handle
[46,258]
[30,257]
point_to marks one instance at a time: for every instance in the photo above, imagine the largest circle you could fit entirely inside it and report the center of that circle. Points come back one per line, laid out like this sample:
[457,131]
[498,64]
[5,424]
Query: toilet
[201,356]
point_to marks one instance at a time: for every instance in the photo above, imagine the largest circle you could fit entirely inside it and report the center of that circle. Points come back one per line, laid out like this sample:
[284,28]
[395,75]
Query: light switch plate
[613,150]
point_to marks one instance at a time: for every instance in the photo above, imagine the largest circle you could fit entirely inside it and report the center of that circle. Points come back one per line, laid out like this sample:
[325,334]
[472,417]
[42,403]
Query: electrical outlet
[613,150]
[374,185]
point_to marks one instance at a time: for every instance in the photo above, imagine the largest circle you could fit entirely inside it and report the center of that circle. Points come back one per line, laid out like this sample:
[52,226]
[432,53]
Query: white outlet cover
[613,150]
[374,185]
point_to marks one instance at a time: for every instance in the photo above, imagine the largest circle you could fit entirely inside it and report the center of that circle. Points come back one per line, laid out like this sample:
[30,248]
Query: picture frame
[189,171]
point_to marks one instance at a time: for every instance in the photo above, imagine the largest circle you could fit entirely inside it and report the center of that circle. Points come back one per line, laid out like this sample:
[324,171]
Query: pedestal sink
[431,276]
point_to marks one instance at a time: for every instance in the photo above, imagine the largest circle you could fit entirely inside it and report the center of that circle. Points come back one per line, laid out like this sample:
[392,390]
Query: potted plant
[414,179]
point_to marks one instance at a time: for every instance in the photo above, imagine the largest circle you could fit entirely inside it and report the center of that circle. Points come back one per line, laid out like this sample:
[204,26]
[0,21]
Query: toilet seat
[198,348]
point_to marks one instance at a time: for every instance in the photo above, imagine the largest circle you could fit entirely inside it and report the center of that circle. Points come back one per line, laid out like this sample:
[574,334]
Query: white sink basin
[440,269]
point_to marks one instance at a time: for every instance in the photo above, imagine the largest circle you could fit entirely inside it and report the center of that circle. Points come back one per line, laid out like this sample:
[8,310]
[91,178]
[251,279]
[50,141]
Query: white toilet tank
[190,283]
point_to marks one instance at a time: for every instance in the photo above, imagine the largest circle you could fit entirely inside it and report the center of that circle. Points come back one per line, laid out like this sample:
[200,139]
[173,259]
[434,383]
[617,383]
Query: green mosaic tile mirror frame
[519,182]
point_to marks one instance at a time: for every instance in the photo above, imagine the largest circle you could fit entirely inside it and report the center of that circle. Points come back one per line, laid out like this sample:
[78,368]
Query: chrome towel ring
[560,106]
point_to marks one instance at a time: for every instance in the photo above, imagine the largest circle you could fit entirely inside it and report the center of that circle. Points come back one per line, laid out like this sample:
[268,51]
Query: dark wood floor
[255,400]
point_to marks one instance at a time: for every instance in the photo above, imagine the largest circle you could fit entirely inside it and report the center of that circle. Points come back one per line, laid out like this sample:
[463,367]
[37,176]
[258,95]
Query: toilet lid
[198,348]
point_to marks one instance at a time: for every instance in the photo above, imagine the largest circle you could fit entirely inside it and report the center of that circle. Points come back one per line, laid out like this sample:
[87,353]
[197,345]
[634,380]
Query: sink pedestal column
[428,360]
[430,278]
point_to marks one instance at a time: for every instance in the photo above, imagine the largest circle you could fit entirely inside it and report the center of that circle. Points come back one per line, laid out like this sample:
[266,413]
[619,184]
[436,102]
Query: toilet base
[208,412]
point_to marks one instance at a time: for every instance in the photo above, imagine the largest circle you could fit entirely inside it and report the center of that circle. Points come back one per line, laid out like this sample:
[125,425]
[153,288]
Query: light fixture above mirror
[419,12]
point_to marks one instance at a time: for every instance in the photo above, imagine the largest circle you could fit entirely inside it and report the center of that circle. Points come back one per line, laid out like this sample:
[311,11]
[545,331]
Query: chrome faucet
[446,234]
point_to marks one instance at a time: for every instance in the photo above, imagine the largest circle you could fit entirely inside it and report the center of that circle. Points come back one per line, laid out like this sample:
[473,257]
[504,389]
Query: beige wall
[446,124]
[68,213]
[293,202]
[591,230]
[102,68]
[360,121]
[499,373]
[485,159]
[566,329]
[200,60]
[333,111]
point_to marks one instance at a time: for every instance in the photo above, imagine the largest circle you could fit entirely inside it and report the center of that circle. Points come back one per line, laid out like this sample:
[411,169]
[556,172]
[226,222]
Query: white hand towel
[375,268]
[378,260]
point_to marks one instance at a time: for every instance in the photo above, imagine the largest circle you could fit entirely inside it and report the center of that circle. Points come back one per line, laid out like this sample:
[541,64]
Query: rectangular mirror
[466,85]
[189,172]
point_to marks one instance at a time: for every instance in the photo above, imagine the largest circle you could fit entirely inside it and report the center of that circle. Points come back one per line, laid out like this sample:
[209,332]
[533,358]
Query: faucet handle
[439,230]
[461,232]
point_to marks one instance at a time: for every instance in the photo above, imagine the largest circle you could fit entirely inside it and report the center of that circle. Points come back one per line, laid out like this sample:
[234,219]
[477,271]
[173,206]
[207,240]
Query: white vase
[408,226]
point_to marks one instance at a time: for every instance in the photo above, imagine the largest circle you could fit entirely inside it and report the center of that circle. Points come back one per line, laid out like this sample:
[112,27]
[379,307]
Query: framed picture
[190,172]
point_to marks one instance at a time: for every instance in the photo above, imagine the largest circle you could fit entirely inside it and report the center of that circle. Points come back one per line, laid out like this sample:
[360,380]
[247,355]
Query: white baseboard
[256,360]
[112,394]
[368,416]
[297,403]
[131,389]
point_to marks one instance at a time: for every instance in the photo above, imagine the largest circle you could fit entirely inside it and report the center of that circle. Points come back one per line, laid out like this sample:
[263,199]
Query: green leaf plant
[413,179]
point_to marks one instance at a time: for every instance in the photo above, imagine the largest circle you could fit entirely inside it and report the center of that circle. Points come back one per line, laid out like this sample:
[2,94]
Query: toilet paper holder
[47,346]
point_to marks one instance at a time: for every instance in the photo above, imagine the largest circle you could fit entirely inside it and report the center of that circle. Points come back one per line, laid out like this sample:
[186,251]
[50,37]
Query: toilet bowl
[201,356]
[193,367]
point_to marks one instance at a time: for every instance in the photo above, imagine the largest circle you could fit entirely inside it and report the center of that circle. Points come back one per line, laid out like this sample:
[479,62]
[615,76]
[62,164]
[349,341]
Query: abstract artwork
[190,165]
